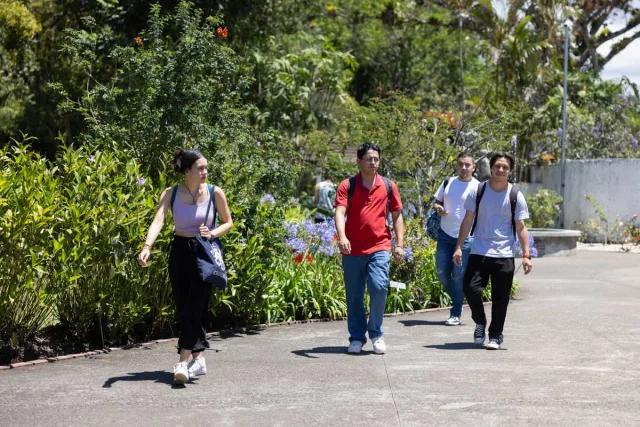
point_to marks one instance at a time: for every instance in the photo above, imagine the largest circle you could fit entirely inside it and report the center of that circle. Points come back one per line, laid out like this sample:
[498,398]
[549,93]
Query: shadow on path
[422,322]
[455,346]
[327,350]
[163,377]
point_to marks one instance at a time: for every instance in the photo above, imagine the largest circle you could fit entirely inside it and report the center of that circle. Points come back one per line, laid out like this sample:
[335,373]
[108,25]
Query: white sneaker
[355,347]
[379,347]
[180,373]
[453,321]
[494,343]
[197,366]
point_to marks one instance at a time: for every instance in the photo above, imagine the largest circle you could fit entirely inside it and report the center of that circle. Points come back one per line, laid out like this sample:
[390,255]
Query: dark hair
[184,159]
[363,148]
[464,154]
[502,155]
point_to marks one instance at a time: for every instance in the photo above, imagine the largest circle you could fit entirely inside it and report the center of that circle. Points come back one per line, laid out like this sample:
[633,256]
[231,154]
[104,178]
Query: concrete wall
[614,183]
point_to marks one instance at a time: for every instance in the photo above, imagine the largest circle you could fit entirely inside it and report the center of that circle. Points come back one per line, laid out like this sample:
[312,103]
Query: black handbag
[209,257]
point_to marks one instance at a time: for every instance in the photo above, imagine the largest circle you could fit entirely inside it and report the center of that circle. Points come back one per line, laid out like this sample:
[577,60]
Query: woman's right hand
[143,257]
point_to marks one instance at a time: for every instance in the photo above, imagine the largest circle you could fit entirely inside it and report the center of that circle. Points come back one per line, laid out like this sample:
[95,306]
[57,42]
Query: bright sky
[627,62]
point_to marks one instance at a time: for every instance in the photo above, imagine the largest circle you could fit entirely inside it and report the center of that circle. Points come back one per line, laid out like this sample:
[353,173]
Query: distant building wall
[614,183]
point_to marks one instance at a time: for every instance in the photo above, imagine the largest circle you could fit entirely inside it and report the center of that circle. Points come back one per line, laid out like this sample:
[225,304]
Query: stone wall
[614,183]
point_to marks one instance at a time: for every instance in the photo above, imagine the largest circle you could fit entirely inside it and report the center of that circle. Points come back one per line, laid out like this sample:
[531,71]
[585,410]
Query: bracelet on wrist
[146,246]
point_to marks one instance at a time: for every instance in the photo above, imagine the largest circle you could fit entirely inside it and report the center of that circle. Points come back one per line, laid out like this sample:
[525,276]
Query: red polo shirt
[366,226]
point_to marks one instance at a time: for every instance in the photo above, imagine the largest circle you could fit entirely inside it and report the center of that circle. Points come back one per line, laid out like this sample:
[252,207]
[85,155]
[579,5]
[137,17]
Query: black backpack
[513,200]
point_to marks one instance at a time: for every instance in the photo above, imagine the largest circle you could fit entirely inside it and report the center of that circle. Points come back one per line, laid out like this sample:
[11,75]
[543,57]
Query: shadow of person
[455,346]
[325,350]
[163,377]
[421,322]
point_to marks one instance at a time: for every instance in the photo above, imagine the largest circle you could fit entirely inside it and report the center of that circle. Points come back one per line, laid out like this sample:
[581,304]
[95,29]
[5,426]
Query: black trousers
[191,294]
[479,270]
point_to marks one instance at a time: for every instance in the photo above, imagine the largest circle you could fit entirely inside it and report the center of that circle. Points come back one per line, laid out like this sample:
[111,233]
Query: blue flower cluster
[408,254]
[308,236]
[267,199]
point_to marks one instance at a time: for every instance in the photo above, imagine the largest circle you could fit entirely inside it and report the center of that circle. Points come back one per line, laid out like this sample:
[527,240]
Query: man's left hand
[527,265]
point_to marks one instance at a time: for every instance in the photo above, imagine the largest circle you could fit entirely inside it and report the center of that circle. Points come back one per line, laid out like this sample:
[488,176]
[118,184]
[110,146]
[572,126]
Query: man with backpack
[449,204]
[363,203]
[495,215]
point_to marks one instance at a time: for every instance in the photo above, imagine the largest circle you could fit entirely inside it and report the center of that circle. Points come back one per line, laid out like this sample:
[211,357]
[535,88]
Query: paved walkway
[572,358]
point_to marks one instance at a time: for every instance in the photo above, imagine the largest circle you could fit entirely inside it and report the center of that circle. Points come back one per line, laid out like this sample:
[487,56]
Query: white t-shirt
[454,197]
[493,236]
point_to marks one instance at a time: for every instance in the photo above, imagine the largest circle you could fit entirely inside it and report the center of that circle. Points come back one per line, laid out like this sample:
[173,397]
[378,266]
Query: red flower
[138,40]
[300,258]
[222,32]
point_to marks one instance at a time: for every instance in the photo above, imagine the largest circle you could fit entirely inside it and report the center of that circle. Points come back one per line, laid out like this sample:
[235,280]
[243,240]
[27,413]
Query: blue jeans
[452,276]
[373,271]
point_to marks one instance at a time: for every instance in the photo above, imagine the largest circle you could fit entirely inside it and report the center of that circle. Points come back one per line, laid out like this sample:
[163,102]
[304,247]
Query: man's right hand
[457,257]
[143,257]
[344,245]
[440,209]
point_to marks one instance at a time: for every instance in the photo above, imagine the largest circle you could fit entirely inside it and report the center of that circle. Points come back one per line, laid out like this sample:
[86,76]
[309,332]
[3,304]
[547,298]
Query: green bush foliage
[544,208]
[69,235]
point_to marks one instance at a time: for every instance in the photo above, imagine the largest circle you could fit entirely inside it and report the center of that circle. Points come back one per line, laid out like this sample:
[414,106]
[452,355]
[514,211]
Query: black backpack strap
[352,187]
[444,187]
[351,190]
[387,183]
[479,194]
[212,201]
[174,193]
[513,201]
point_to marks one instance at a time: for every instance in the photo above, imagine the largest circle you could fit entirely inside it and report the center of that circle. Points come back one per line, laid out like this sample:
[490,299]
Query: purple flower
[92,158]
[291,228]
[634,142]
[532,248]
[328,250]
[140,181]
[296,245]
[408,254]
[267,199]
[310,227]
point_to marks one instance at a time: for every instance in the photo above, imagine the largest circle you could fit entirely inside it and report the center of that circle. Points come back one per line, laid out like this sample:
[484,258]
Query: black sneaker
[478,334]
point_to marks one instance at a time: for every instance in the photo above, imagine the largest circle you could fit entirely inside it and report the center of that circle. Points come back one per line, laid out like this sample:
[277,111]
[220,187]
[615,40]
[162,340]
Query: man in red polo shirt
[365,245]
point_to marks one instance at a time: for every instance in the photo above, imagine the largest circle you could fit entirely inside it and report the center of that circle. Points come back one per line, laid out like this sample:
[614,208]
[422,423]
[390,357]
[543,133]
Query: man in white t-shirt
[449,204]
[494,233]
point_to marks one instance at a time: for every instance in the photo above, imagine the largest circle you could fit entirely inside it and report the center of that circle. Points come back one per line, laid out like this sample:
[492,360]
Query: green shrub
[544,208]
[70,233]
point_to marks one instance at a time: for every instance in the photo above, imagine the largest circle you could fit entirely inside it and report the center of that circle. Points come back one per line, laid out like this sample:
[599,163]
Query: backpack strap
[174,192]
[444,187]
[387,183]
[479,194]
[513,201]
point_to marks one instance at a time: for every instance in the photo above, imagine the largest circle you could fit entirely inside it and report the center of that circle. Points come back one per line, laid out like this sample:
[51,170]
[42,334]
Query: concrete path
[572,358]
